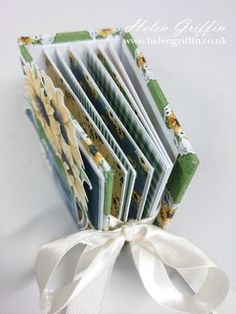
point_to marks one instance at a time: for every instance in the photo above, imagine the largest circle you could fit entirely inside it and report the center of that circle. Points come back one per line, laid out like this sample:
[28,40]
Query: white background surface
[198,82]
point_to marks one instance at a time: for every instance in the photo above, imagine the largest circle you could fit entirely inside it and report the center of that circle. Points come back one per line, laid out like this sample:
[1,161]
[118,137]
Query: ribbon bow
[152,248]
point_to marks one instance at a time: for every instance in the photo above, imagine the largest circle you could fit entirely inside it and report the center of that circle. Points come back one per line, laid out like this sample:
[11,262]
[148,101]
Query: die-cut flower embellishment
[39,101]
[64,127]
[50,111]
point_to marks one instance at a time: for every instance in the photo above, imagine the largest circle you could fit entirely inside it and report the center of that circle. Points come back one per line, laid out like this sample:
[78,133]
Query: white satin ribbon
[152,248]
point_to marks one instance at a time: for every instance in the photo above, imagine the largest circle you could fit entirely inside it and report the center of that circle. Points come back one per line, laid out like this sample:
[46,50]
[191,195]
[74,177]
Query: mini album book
[113,142]
[123,164]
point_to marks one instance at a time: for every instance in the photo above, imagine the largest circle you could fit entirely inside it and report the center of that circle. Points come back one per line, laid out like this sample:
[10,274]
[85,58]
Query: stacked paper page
[107,135]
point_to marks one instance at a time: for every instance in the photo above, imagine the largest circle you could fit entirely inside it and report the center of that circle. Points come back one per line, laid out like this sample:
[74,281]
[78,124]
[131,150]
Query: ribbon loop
[152,248]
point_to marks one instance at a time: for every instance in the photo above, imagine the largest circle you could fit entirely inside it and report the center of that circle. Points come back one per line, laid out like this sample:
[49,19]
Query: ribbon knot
[152,249]
[129,230]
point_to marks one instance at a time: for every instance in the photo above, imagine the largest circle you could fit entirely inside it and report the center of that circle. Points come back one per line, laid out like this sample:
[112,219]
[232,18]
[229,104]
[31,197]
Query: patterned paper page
[124,174]
[152,152]
[136,156]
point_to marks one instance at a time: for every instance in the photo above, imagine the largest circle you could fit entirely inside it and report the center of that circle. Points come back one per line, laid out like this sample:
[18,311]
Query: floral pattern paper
[55,119]
[120,174]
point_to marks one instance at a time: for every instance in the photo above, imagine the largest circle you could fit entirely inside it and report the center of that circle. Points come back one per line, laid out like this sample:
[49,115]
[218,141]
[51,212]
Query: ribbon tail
[105,248]
[159,248]
[195,279]
[52,253]
[90,299]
